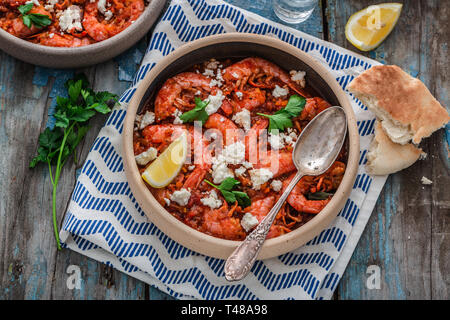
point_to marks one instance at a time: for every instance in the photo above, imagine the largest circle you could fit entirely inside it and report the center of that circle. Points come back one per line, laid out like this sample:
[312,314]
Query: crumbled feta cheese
[276,185]
[220,170]
[71,19]
[209,73]
[276,141]
[177,114]
[146,156]
[234,153]
[240,171]
[51,35]
[50,5]
[101,5]
[299,77]
[249,221]
[247,164]
[212,200]
[146,119]
[235,75]
[243,119]
[426,181]
[215,102]
[181,196]
[212,64]
[279,92]
[167,201]
[239,95]
[259,177]
[198,93]
[190,168]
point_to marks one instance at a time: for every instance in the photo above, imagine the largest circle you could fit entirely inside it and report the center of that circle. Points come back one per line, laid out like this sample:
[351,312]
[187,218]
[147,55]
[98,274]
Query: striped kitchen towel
[104,221]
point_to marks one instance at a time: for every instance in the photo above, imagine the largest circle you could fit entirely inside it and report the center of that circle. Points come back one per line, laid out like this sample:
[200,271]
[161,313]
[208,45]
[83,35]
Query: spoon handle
[243,257]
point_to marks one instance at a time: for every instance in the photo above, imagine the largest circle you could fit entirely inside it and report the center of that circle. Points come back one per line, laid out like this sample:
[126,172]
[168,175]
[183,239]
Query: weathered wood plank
[399,237]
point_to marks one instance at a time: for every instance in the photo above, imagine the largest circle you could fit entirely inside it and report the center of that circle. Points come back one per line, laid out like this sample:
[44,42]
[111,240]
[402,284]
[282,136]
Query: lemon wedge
[167,166]
[366,29]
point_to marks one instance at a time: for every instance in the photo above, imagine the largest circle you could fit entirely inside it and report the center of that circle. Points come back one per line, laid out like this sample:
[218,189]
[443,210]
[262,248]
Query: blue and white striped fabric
[105,222]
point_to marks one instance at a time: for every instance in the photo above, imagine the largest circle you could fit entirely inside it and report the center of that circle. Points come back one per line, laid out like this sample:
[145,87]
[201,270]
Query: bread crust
[403,98]
[385,156]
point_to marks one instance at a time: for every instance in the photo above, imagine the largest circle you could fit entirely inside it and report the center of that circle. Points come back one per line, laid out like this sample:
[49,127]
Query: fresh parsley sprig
[230,195]
[71,115]
[39,20]
[281,119]
[198,113]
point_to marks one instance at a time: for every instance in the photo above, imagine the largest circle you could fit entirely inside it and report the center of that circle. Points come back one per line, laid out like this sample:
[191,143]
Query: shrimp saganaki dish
[239,98]
[68,23]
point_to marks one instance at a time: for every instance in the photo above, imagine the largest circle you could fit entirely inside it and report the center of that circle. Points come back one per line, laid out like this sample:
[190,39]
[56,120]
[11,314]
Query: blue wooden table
[407,237]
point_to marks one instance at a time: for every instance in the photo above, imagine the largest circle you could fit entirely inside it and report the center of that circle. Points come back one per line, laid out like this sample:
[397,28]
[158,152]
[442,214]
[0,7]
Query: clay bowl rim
[217,247]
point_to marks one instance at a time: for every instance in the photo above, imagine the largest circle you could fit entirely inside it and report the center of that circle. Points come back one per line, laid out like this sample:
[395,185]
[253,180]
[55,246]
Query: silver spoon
[315,151]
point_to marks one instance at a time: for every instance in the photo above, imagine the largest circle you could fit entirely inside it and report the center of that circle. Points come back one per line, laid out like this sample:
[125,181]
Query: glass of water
[293,11]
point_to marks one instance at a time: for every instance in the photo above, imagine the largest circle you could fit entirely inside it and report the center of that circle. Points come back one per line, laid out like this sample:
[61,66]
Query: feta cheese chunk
[71,19]
[259,177]
[101,6]
[240,171]
[146,156]
[177,114]
[276,141]
[215,102]
[212,200]
[276,185]
[234,153]
[279,92]
[181,196]
[249,221]
[220,170]
[426,181]
[243,119]
[167,201]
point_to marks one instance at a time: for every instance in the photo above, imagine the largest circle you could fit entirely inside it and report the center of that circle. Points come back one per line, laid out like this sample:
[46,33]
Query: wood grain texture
[407,234]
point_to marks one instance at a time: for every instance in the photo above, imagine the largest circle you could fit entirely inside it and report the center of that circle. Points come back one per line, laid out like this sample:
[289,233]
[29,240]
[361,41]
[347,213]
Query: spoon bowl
[315,150]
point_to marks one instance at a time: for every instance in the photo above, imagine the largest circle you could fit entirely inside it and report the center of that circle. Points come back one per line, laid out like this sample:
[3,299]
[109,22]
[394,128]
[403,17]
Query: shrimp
[179,92]
[278,163]
[307,184]
[218,223]
[250,70]
[253,143]
[250,99]
[125,13]
[17,28]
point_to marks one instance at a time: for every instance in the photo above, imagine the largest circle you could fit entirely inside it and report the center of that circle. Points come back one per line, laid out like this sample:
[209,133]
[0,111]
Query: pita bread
[406,108]
[385,156]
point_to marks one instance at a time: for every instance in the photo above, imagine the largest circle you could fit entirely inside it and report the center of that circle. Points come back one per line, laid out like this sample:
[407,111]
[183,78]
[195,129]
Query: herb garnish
[72,113]
[198,113]
[232,196]
[319,195]
[39,20]
[281,119]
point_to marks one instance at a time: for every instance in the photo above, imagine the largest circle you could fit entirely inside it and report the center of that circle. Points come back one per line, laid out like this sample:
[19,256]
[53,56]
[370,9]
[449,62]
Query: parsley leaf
[39,20]
[198,113]
[71,114]
[232,196]
[282,118]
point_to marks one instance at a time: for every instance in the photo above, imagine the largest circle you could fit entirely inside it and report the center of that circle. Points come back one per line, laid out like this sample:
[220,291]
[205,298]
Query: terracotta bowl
[53,57]
[234,45]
